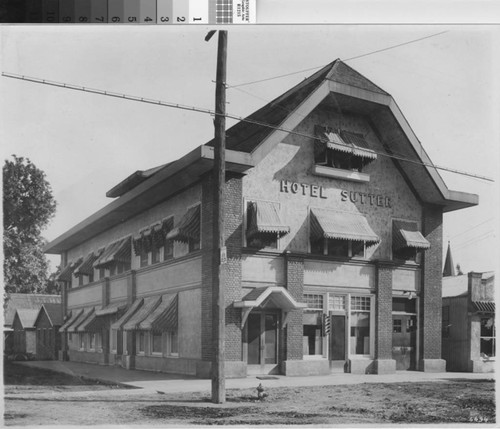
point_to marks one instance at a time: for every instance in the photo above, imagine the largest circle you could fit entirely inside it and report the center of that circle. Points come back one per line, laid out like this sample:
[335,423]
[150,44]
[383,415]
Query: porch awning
[188,227]
[164,318]
[264,217]
[341,226]
[149,306]
[484,306]
[80,319]
[273,297]
[346,141]
[86,268]
[97,321]
[128,314]
[67,271]
[406,234]
[118,251]
[71,319]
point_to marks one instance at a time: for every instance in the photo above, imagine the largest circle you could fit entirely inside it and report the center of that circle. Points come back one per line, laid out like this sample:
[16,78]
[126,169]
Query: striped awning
[128,314]
[406,234]
[72,318]
[484,306]
[100,318]
[67,272]
[188,227]
[118,251]
[86,268]
[264,217]
[149,306]
[346,141]
[79,320]
[164,318]
[341,226]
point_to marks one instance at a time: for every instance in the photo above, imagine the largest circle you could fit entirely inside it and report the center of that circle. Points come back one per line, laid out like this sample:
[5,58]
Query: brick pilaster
[383,315]
[430,297]
[292,338]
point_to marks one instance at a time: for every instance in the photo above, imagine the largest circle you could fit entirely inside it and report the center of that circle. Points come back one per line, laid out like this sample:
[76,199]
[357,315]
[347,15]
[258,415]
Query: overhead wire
[347,59]
[227,115]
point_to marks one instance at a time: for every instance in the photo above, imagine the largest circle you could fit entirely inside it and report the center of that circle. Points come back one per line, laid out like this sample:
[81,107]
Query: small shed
[24,331]
[468,322]
[47,325]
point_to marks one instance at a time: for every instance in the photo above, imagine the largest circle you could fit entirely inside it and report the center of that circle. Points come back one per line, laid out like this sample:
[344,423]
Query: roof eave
[180,174]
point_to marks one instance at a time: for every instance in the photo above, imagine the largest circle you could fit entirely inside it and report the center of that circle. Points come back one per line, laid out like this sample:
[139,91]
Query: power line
[227,115]
[347,59]
[471,228]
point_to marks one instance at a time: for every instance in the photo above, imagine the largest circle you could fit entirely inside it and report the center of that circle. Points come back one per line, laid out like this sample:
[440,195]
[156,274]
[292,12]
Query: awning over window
[119,251]
[69,321]
[406,234]
[484,306]
[144,240]
[128,314]
[164,318]
[346,141]
[86,268]
[264,217]
[269,297]
[188,227]
[341,226]
[80,319]
[99,319]
[149,306]
[67,271]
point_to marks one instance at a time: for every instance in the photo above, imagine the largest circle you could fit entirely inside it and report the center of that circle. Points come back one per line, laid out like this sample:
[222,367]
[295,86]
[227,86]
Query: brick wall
[430,302]
[383,317]
[292,338]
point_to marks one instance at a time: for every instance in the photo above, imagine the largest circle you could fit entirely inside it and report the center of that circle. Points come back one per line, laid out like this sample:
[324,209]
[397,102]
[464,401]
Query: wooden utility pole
[219,253]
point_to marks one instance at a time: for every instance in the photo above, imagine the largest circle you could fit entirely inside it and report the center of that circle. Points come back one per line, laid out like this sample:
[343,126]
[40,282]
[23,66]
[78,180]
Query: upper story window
[340,234]
[407,241]
[264,225]
[188,230]
[116,257]
[342,154]
[168,245]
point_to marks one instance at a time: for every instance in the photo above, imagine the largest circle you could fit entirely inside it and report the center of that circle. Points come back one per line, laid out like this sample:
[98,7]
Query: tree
[28,207]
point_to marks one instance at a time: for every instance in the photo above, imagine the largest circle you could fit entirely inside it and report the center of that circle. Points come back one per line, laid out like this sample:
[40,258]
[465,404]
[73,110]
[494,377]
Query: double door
[262,342]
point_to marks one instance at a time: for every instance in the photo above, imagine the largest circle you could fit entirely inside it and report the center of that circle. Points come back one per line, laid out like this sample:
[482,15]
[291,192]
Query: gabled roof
[27,317]
[53,312]
[16,301]
[337,87]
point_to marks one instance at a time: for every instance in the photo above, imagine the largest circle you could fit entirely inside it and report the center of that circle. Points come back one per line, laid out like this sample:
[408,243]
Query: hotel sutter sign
[317,191]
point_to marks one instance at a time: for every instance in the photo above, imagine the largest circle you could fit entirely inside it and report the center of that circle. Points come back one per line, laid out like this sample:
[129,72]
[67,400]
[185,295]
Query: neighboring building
[24,333]
[21,301]
[469,336]
[47,324]
[334,249]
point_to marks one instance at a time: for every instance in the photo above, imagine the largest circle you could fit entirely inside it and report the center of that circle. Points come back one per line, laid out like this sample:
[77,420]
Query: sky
[445,85]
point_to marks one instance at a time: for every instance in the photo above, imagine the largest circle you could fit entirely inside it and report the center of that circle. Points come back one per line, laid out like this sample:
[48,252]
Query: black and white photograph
[250,225]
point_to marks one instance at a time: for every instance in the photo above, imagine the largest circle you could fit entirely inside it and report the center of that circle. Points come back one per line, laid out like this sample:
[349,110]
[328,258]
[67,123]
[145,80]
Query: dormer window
[342,154]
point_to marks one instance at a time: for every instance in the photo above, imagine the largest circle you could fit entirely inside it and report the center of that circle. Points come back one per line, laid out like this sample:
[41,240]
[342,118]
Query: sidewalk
[172,383]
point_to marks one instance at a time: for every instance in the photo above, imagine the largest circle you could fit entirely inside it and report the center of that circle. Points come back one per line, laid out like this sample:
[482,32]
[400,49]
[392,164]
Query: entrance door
[262,343]
[337,343]
[404,340]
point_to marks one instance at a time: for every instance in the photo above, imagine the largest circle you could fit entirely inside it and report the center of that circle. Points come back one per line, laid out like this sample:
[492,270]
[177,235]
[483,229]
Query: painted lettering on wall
[302,189]
[364,198]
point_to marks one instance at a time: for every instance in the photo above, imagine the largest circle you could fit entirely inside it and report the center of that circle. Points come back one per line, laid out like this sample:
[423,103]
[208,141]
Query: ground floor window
[487,337]
[360,325]
[141,346]
[156,342]
[114,339]
[312,338]
[91,341]
[81,340]
[172,343]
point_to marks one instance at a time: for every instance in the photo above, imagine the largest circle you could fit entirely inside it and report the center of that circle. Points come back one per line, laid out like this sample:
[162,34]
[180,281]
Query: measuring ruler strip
[140,11]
